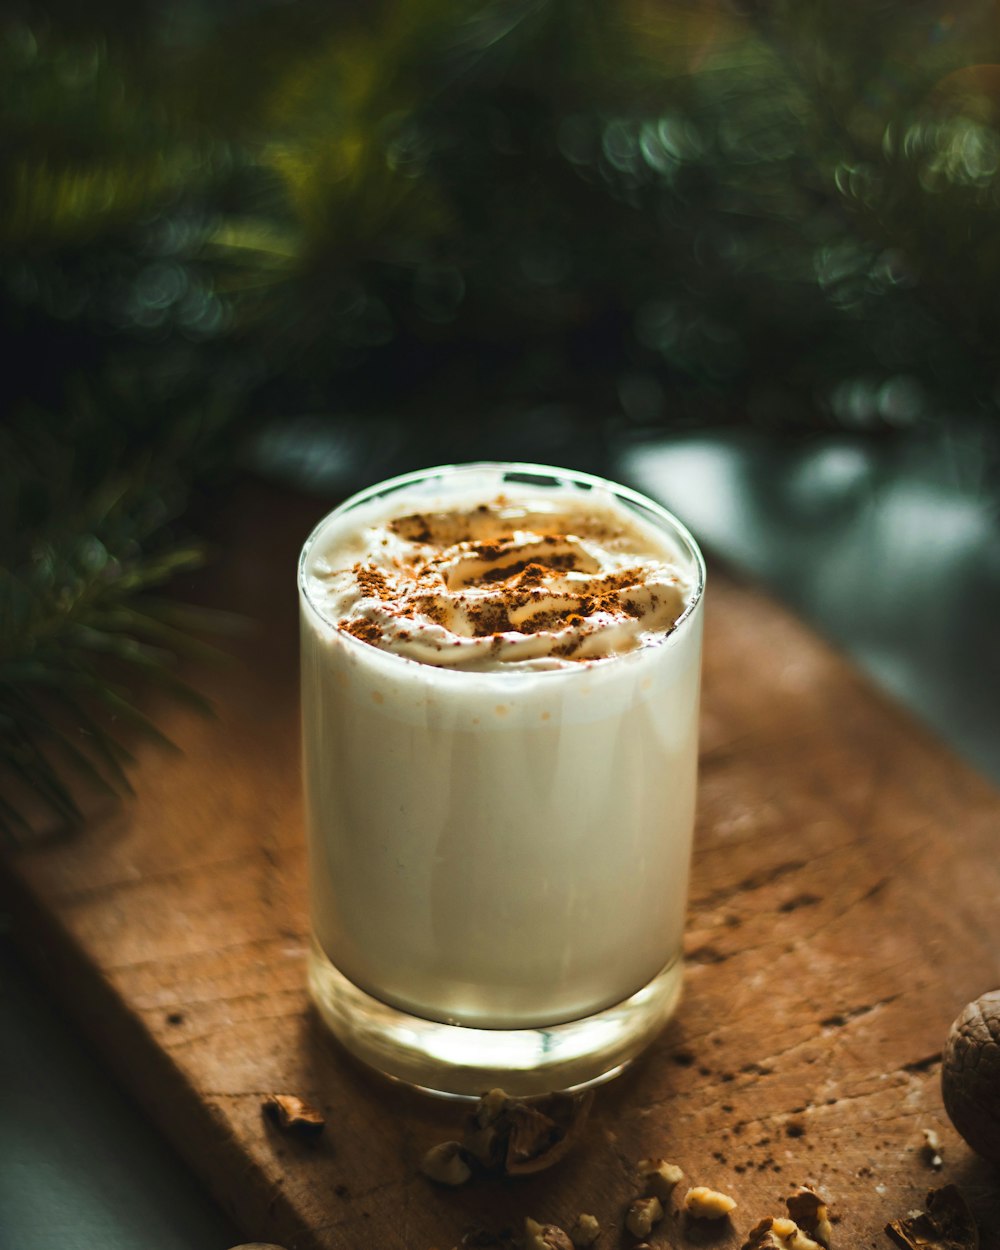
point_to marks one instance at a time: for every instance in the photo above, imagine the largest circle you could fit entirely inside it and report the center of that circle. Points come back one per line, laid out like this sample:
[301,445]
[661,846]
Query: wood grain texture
[844,907]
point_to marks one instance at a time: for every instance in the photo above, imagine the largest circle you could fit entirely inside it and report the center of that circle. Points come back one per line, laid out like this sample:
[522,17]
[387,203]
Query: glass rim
[386,485]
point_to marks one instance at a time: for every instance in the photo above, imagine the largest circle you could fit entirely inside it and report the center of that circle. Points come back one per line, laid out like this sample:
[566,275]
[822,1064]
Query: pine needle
[83,558]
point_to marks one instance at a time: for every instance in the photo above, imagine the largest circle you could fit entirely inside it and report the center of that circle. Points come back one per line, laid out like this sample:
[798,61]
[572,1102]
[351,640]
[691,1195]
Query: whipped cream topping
[532,582]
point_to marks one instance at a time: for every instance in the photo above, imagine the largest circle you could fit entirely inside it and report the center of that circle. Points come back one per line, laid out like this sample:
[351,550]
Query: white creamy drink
[500,676]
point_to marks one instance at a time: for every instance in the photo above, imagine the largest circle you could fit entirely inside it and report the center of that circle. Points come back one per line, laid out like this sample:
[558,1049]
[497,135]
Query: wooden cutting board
[844,906]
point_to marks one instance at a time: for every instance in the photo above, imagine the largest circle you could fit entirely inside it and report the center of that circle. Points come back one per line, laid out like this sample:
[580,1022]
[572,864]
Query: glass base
[456,1061]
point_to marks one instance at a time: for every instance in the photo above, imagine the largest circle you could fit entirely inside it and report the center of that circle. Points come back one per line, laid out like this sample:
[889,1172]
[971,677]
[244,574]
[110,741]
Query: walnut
[445,1163]
[970,1075]
[778,1233]
[293,1115]
[521,1136]
[658,1177]
[642,1215]
[702,1203]
[545,1237]
[808,1210]
[585,1231]
[947,1224]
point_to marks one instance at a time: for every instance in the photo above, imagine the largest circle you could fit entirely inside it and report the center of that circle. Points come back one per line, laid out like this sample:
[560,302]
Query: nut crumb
[658,1177]
[642,1215]
[702,1203]
[809,1211]
[931,1151]
[445,1163]
[545,1237]
[585,1231]
[294,1115]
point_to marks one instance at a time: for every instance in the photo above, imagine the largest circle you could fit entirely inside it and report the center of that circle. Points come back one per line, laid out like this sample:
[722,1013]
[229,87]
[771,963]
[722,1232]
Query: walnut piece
[294,1115]
[931,1151]
[545,1237]
[808,1210]
[585,1231]
[445,1163]
[778,1233]
[658,1177]
[522,1136]
[642,1215]
[702,1203]
[970,1075]
[482,1136]
[947,1224]
[531,1137]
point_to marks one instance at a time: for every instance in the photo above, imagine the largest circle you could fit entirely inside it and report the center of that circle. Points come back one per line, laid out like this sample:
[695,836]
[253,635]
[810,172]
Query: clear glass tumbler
[498,860]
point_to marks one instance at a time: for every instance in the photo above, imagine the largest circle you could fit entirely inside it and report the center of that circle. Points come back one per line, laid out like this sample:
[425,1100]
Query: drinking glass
[498,860]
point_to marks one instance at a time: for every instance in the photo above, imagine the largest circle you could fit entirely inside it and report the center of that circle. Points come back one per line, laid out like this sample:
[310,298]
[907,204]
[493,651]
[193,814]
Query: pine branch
[82,626]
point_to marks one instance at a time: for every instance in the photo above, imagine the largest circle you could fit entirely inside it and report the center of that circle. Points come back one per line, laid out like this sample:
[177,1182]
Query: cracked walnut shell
[521,1136]
[947,1224]
[294,1115]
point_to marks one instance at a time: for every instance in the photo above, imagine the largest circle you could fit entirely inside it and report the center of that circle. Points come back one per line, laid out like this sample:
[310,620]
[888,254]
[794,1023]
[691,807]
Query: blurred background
[742,253]
[406,230]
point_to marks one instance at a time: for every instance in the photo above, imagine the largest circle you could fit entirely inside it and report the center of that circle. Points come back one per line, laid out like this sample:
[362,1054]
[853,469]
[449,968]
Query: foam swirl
[537,584]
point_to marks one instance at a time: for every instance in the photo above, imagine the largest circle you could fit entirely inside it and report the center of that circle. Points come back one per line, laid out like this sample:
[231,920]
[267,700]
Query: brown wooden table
[844,906]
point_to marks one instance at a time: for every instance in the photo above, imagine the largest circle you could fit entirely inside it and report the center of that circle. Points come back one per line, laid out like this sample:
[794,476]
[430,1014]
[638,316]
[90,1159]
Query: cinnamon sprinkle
[433,609]
[413,529]
[372,582]
[562,560]
[560,588]
[502,572]
[491,551]
[364,631]
[488,618]
[532,574]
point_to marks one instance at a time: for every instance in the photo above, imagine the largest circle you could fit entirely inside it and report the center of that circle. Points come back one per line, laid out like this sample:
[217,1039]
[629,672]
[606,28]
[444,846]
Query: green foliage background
[563,219]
